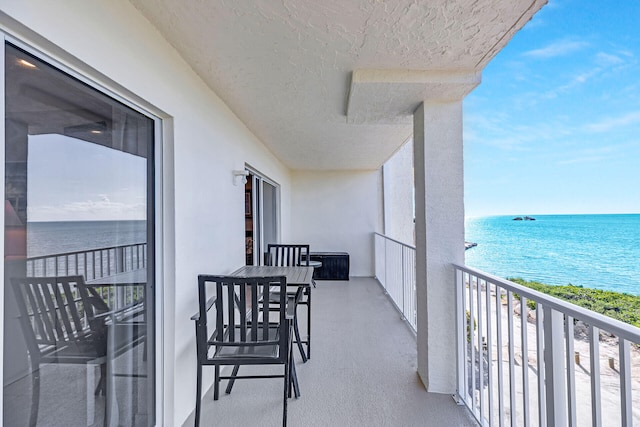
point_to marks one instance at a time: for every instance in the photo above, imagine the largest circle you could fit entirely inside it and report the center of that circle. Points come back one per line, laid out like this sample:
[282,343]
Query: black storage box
[335,265]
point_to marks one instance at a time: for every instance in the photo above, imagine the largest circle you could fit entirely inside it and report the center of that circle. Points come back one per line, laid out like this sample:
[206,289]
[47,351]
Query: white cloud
[575,81]
[89,210]
[583,159]
[559,48]
[592,155]
[606,59]
[611,123]
[501,132]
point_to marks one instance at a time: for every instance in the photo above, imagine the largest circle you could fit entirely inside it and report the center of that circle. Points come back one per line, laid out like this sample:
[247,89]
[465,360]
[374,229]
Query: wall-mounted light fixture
[243,174]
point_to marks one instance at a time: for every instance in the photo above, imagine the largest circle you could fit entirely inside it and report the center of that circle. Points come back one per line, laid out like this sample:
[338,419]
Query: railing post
[385,266]
[626,406]
[119,260]
[460,335]
[594,361]
[555,381]
[404,310]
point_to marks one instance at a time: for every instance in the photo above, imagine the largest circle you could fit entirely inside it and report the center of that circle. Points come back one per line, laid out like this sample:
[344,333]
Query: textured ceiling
[285,67]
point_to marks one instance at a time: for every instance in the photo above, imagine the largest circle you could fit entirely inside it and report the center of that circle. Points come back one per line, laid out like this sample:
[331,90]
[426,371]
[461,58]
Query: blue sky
[90,182]
[554,127]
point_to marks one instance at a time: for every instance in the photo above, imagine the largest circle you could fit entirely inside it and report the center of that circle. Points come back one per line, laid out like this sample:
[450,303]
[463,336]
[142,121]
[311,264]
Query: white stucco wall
[337,212]
[203,142]
[398,195]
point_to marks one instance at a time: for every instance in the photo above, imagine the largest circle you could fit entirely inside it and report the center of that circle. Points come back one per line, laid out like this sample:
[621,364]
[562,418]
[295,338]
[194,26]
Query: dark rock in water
[518,218]
[529,218]
[469,245]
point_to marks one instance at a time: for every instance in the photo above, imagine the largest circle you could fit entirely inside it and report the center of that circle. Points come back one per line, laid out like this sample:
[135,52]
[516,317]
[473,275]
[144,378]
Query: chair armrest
[128,311]
[210,303]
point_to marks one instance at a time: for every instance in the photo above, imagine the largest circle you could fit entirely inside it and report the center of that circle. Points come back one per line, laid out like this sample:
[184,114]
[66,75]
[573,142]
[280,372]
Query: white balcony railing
[555,365]
[94,264]
[90,263]
[395,264]
[526,358]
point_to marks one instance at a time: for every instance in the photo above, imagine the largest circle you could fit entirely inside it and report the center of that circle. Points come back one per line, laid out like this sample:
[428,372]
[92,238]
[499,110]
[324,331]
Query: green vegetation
[475,326]
[620,306]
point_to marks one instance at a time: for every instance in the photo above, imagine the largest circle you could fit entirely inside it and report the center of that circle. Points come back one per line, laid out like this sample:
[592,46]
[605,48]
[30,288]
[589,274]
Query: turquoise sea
[594,251]
[46,238]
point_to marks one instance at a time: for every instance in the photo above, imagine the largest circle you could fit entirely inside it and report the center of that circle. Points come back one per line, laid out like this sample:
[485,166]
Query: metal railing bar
[594,348]
[480,349]
[460,349]
[489,351]
[466,278]
[401,275]
[499,344]
[542,413]
[512,358]
[571,371]
[525,359]
[626,405]
[472,337]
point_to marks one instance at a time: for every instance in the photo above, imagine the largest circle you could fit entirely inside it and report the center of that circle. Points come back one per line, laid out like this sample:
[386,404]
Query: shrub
[468,314]
[617,305]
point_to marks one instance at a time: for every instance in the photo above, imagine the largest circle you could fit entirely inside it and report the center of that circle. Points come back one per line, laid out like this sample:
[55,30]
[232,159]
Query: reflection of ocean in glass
[594,251]
[46,238]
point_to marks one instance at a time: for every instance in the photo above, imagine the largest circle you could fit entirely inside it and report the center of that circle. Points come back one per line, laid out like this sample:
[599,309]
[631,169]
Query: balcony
[524,358]
[362,371]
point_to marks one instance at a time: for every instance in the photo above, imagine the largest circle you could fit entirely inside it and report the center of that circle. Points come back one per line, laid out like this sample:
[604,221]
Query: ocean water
[46,238]
[594,251]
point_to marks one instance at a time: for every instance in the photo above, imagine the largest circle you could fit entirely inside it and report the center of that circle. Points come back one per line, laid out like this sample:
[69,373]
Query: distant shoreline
[511,216]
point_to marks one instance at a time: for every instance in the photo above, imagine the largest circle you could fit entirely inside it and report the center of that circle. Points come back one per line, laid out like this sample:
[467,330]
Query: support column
[439,201]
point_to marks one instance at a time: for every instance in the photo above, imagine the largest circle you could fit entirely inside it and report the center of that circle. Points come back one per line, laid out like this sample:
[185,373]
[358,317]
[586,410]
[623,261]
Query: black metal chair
[286,255]
[245,332]
[65,322]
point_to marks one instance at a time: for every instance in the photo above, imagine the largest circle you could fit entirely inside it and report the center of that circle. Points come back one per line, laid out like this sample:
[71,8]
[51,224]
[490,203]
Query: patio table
[296,276]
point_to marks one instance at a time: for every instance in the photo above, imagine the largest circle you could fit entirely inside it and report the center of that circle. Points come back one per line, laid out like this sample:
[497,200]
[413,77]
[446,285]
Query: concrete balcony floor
[362,371]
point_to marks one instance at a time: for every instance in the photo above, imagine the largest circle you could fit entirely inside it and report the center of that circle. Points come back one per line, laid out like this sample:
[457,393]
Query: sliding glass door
[79,252]
[261,216]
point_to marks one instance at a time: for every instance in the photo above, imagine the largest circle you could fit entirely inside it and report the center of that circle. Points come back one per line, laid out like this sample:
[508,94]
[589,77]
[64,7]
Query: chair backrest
[287,255]
[241,317]
[55,313]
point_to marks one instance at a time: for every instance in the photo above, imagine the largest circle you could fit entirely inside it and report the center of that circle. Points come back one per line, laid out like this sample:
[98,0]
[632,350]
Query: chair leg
[289,359]
[101,387]
[308,323]
[35,395]
[198,394]
[216,383]
[293,376]
[296,331]
[287,383]
[232,380]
